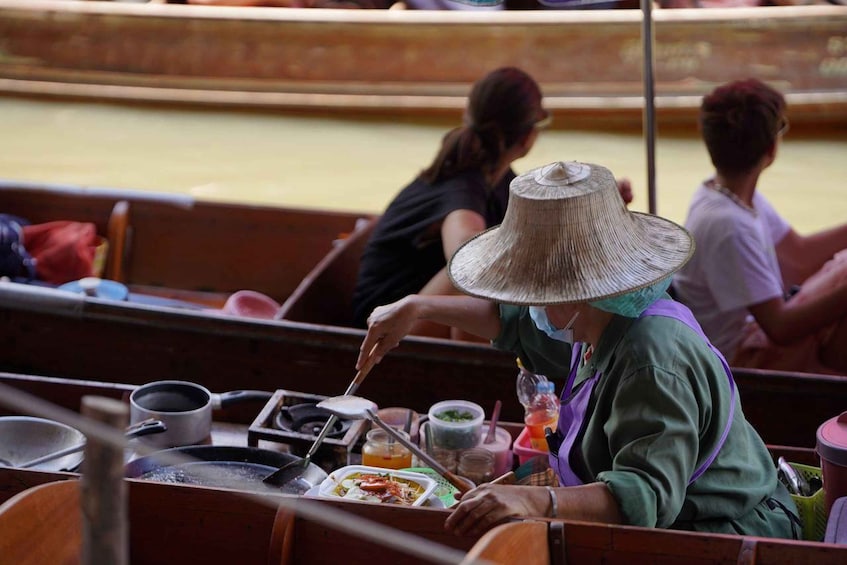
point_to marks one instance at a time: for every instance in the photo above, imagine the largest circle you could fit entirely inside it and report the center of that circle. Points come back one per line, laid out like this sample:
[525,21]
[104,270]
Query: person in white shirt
[748,257]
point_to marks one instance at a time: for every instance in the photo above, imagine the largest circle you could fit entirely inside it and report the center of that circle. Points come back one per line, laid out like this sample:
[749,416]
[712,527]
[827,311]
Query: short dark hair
[503,106]
[739,122]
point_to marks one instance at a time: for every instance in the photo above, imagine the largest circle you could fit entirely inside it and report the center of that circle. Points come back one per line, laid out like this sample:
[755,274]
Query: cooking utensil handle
[362,373]
[508,478]
[51,456]
[142,428]
[458,482]
[318,440]
[354,385]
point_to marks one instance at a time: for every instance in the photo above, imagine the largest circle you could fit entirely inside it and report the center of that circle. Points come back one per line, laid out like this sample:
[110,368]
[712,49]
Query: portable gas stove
[292,418]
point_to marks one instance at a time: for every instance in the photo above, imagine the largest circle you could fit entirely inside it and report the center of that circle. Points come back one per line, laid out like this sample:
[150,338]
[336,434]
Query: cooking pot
[223,466]
[184,407]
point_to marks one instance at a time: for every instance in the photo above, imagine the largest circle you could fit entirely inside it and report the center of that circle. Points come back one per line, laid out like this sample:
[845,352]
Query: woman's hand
[387,325]
[488,505]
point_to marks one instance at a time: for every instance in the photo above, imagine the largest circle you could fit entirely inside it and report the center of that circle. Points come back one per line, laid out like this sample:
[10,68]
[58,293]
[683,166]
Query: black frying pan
[223,467]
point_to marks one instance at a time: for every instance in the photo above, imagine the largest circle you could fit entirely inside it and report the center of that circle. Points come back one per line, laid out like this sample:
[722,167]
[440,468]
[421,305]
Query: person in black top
[463,191]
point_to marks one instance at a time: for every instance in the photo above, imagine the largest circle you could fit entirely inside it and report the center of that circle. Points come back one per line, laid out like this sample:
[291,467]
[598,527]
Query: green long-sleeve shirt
[656,413]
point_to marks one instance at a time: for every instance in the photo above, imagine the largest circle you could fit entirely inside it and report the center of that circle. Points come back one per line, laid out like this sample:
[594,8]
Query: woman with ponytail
[464,191]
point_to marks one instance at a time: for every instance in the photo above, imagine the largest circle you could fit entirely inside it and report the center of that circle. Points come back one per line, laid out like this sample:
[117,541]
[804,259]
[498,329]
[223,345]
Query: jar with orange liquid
[381,450]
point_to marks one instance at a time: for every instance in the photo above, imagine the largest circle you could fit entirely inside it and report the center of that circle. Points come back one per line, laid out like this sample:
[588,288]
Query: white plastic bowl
[456,435]
[329,485]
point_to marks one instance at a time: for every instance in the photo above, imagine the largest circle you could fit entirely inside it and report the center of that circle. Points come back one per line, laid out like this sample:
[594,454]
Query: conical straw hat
[568,237]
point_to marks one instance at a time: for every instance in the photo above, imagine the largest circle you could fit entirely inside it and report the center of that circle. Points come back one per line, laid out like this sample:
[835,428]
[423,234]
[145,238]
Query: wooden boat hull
[102,341]
[236,529]
[223,527]
[588,63]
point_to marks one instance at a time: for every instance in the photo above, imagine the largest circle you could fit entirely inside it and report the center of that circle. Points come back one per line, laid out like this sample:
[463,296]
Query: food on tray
[378,487]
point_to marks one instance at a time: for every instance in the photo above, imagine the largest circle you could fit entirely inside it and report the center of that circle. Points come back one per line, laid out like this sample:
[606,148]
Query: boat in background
[188,252]
[589,63]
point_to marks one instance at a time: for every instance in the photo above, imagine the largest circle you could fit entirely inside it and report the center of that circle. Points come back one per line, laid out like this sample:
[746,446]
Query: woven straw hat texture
[568,237]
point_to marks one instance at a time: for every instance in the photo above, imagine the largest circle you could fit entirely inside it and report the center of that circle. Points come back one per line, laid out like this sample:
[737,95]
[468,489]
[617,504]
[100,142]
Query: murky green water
[358,164]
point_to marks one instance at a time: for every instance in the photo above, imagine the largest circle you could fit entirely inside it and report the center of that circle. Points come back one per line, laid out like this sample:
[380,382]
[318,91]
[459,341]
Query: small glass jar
[382,450]
[477,465]
[447,457]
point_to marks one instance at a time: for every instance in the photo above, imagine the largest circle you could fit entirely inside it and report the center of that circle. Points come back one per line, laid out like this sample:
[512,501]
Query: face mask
[542,322]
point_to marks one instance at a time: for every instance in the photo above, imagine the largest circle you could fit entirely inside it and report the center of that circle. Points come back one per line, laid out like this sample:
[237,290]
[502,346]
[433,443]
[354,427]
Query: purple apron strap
[677,311]
[571,415]
[573,408]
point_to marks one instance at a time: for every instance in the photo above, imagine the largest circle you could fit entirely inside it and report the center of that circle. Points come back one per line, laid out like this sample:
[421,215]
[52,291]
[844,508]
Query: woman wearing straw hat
[651,431]
[461,193]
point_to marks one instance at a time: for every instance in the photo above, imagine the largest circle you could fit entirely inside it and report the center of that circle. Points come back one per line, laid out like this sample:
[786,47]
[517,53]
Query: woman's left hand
[487,505]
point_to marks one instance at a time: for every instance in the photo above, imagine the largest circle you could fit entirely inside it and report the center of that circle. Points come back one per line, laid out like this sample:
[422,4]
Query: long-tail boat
[589,63]
[225,526]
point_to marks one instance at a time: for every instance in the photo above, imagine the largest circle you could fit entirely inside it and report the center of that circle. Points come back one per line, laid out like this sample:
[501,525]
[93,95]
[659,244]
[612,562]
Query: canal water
[359,164]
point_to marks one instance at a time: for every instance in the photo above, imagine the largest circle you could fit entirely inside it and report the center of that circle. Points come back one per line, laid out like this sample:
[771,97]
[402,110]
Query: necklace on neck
[715,185]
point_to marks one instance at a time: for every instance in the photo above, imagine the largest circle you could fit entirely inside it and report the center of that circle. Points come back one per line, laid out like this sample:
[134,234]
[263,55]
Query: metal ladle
[292,471]
[358,408]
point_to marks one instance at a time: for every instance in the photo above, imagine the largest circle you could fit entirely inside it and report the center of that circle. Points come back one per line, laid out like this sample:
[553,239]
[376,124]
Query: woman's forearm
[473,315]
[592,502]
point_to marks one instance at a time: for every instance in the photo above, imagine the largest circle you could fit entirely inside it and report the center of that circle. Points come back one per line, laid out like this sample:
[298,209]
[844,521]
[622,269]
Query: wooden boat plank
[311,538]
[318,59]
[771,551]
[223,527]
[211,526]
[103,341]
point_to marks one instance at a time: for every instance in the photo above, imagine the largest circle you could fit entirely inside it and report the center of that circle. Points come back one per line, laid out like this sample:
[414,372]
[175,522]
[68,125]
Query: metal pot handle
[224,399]
[145,427]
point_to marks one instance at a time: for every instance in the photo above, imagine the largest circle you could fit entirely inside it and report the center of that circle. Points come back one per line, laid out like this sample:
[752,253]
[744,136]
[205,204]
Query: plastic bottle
[542,412]
[527,384]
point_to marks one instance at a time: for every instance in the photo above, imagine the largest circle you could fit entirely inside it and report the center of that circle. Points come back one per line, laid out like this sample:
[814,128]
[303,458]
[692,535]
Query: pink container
[251,304]
[832,448]
[524,450]
[501,447]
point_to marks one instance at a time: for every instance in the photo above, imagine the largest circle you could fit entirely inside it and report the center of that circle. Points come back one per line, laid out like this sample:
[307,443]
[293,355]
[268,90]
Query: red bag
[63,250]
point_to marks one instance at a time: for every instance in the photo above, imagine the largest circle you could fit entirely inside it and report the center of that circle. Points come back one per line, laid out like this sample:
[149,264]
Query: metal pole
[649,124]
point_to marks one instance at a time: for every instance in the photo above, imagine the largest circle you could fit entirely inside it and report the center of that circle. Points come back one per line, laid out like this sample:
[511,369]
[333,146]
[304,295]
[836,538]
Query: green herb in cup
[455,415]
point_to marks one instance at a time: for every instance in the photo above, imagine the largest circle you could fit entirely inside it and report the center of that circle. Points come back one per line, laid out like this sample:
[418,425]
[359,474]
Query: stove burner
[308,419]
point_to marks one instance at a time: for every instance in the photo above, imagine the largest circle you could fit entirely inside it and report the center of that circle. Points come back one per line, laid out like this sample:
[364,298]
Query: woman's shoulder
[666,344]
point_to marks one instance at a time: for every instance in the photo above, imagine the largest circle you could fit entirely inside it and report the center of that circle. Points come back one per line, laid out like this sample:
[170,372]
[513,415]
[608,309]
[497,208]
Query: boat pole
[649,121]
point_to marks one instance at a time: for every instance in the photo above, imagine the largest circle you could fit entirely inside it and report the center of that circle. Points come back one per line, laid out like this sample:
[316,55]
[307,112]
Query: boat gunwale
[741,16]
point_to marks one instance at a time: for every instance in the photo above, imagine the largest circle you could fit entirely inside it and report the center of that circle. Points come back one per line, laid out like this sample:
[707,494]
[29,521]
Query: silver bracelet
[554,503]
